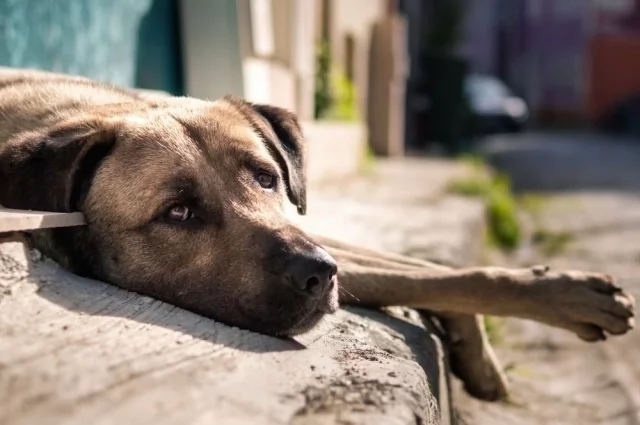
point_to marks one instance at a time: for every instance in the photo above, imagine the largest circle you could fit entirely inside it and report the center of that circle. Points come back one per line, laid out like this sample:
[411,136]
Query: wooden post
[388,67]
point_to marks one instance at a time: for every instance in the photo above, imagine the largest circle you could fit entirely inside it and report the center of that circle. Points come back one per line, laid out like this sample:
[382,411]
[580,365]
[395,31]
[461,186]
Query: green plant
[551,243]
[474,161]
[470,187]
[367,161]
[323,79]
[343,106]
[532,203]
[502,213]
[503,225]
[335,93]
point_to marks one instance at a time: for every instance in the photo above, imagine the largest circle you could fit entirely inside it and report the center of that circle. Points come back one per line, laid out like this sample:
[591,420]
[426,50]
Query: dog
[185,202]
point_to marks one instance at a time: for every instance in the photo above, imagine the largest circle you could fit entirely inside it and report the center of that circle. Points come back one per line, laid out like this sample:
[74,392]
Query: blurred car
[494,108]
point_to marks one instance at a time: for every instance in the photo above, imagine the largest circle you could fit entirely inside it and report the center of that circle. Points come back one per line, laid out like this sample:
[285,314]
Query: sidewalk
[403,207]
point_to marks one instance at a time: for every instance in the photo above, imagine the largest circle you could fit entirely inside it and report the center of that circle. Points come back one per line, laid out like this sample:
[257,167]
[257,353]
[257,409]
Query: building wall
[211,47]
[547,54]
[479,38]
[97,39]
[277,53]
[159,52]
[614,50]
[621,17]
[557,58]
[354,18]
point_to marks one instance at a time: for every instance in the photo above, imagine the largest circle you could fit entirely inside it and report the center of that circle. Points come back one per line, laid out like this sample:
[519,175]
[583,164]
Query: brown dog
[184,201]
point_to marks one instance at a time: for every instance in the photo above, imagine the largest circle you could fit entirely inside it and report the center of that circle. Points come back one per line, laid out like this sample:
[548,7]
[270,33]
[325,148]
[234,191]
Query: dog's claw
[540,270]
[591,305]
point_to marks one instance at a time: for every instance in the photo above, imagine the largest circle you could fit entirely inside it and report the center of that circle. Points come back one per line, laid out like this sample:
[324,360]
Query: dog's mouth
[282,323]
[326,305]
[329,304]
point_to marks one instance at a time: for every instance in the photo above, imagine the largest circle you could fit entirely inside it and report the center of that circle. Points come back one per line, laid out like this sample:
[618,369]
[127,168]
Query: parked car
[493,106]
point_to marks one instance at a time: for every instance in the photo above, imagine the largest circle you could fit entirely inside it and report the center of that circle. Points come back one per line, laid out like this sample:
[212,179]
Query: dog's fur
[125,159]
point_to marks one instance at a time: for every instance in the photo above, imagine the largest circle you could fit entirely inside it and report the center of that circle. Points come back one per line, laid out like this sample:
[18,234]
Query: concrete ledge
[77,351]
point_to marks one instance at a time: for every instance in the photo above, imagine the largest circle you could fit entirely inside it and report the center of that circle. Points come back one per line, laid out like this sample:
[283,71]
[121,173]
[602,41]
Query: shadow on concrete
[96,298]
[91,297]
[560,162]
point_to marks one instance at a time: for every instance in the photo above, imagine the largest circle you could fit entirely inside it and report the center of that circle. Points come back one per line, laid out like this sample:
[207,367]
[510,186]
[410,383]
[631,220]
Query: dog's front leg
[588,304]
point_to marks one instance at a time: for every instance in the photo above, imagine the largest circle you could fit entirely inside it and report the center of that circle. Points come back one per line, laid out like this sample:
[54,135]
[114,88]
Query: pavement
[590,192]
[402,207]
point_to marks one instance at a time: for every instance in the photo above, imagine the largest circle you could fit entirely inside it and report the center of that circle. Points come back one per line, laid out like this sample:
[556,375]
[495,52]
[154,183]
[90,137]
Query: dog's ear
[52,170]
[281,131]
[289,150]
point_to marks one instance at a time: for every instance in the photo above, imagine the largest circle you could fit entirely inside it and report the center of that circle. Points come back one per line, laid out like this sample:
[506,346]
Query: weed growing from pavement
[551,243]
[501,206]
[367,161]
[532,203]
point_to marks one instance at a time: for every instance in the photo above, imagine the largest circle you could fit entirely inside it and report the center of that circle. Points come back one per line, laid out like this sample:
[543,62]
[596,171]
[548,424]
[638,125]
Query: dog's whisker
[344,291]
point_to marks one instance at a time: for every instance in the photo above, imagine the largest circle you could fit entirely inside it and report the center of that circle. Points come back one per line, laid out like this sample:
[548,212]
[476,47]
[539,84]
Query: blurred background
[418,73]
[460,131]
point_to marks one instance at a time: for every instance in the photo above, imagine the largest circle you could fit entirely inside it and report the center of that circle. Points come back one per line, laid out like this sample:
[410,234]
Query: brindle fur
[122,158]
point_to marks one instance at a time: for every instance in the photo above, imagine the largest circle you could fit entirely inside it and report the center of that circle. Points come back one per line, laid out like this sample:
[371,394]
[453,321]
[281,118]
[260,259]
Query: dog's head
[184,202]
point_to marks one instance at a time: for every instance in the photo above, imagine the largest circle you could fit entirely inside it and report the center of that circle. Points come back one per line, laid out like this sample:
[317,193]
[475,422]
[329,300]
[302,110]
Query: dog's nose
[312,272]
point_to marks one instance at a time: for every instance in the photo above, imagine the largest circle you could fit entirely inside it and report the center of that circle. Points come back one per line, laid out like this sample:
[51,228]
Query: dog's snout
[312,273]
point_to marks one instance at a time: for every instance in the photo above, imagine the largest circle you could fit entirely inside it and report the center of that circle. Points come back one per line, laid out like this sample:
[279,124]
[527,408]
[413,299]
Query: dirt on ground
[588,220]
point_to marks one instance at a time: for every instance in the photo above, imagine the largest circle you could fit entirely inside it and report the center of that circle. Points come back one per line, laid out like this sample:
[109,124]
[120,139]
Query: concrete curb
[77,351]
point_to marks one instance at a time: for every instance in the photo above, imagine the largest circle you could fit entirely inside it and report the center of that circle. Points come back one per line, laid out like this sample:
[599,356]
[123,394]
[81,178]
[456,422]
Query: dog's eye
[266,180]
[179,213]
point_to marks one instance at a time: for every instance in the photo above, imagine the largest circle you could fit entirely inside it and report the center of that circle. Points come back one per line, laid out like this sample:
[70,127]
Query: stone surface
[77,351]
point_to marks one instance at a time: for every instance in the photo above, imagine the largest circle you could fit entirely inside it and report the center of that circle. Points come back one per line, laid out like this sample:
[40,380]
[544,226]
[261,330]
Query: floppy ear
[52,170]
[281,131]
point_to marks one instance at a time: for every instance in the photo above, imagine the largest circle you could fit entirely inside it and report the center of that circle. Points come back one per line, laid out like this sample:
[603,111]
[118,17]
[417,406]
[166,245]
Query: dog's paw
[589,304]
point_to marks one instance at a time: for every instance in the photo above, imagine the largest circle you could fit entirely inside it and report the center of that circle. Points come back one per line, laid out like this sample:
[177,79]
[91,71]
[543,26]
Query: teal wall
[125,42]
[159,60]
